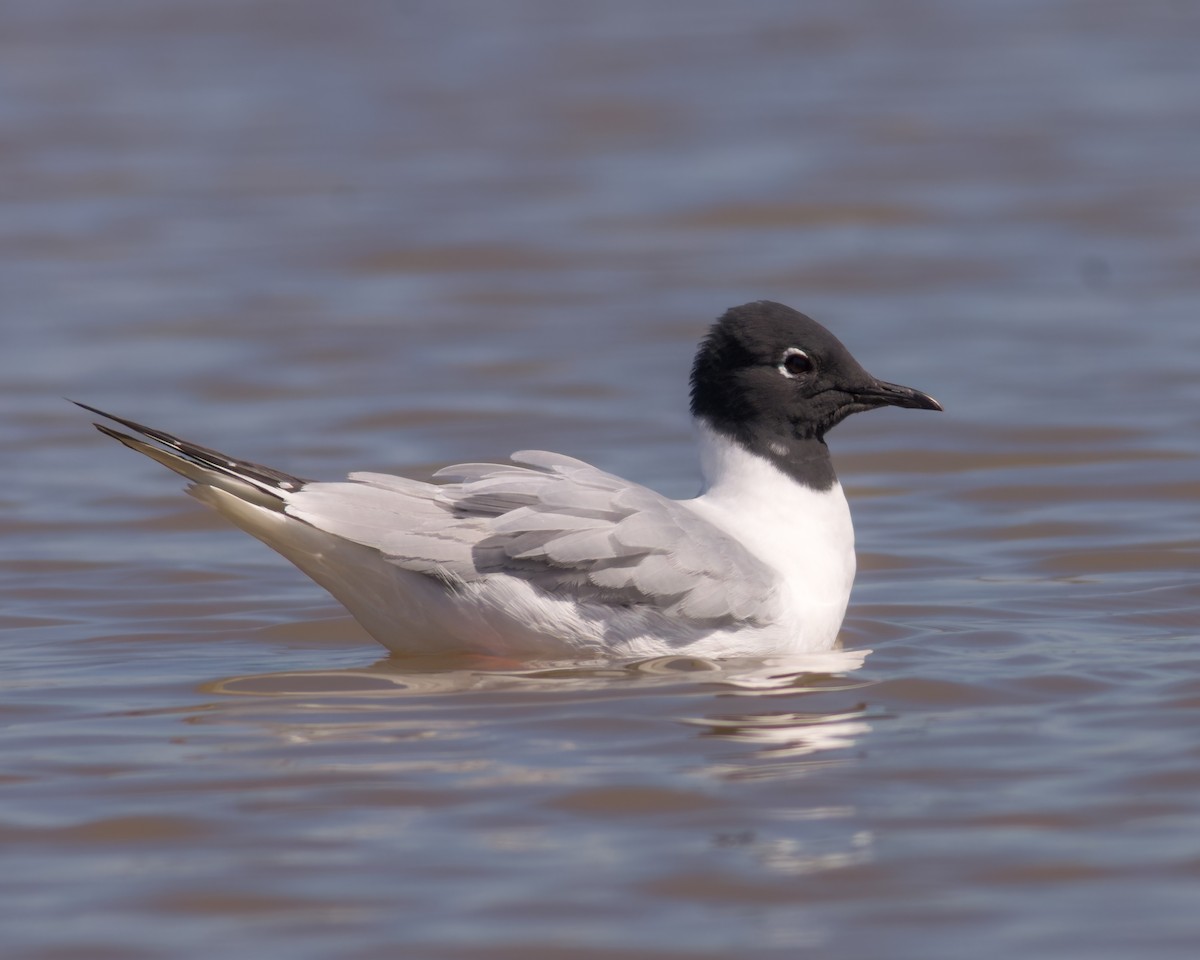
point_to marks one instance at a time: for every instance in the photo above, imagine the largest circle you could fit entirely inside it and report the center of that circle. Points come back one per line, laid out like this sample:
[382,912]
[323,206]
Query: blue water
[391,236]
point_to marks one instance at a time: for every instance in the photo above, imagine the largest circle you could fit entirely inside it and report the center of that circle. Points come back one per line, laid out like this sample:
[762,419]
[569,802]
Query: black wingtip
[90,409]
[264,478]
[110,432]
[159,435]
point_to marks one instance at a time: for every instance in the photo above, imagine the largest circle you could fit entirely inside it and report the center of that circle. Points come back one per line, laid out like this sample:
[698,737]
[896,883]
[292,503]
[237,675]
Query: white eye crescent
[795,363]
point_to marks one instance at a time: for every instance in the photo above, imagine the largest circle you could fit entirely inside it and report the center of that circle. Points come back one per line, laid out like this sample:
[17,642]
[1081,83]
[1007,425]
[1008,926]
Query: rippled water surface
[393,236]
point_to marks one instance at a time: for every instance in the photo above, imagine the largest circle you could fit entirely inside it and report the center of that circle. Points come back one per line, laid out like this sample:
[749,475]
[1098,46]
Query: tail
[247,481]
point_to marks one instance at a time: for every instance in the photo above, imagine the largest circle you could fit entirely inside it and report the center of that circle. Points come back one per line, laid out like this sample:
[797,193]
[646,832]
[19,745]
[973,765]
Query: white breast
[806,535]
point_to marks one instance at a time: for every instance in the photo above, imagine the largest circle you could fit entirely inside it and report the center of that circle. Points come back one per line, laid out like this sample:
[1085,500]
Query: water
[385,236]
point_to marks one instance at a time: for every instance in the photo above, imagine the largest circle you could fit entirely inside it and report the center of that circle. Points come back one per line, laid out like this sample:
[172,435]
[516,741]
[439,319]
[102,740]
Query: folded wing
[556,522]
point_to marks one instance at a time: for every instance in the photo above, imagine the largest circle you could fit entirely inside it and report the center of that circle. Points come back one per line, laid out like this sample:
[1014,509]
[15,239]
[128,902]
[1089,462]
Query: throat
[803,460]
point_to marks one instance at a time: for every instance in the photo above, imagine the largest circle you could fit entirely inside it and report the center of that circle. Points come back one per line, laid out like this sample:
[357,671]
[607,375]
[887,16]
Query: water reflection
[792,856]
[790,735]
[692,758]
[389,701]
[397,676]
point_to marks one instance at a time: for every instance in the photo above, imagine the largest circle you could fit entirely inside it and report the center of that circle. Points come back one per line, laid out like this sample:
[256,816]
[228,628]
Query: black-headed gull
[549,557]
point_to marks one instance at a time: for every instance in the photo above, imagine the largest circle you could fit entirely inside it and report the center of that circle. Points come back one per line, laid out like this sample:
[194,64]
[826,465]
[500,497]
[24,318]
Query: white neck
[804,534]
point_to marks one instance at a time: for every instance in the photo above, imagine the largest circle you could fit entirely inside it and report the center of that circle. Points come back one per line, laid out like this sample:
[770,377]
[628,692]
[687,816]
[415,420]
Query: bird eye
[795,363]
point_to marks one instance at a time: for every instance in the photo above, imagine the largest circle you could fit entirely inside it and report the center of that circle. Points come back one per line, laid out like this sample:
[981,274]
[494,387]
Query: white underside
[805,536]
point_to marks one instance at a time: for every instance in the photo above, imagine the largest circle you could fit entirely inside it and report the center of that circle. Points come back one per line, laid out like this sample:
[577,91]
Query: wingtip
[200,464]
[108,431]
[101,413]
[133,443]
[102,427]
[96,410]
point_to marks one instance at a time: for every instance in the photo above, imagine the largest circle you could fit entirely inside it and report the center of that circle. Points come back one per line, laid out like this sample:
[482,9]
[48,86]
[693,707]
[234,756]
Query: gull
[548,557]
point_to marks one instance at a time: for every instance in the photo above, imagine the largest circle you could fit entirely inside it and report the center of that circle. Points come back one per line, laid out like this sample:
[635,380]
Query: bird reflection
[352,704]
[397,676]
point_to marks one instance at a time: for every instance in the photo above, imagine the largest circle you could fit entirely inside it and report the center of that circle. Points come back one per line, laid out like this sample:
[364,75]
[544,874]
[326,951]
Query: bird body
[551,558]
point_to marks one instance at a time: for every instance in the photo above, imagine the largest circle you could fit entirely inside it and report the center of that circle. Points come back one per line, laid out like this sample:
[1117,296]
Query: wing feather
[581,548]
[556,522]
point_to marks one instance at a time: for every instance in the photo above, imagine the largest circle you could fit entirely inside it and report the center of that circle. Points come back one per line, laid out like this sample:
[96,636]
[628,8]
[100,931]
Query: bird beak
[880,393]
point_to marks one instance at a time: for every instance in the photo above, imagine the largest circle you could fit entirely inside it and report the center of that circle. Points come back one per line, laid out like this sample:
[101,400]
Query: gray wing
[557,522]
